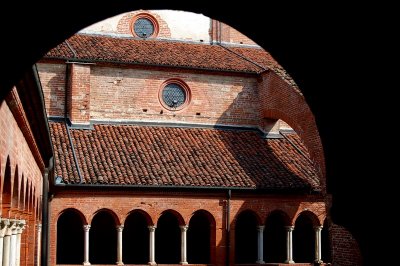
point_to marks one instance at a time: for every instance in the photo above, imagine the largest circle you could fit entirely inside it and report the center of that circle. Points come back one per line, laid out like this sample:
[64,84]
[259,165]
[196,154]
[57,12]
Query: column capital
[184,228]
[260,228]
[152,228]
[39,227]
[120,228]
[86,227]
[318,228]
[21,225]
[289,228]
[3,226]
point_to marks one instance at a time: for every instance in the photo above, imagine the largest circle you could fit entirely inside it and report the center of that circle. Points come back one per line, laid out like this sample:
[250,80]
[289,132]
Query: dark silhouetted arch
[304,239]
[103,239]
[275,237]
[246,237]
[199,237]
[168,239]
[326,242]
[70,238]
[23,193]
[136,239]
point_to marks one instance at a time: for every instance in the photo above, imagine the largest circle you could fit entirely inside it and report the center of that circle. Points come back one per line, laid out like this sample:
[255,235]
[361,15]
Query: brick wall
[15,153]
[185,204]
[345,249]
[231,35]
[279,100]
[52,78]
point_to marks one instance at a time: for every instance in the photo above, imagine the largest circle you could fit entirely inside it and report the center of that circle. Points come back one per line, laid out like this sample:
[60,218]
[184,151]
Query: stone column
[289,244]
[38,244]
[152,230]
[184,229]
[86,229]
[7,243]
[318,230]
[3,228]
[120,228]
[20,228]
[260,246]
[13,243]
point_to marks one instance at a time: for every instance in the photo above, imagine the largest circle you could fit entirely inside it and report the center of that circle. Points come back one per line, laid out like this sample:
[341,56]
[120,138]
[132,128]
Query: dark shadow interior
[275,238]
[326,243]
[246,238]
[70,238]
[303,240]
[135,240]
[199,239]
[168,240]
[103,239]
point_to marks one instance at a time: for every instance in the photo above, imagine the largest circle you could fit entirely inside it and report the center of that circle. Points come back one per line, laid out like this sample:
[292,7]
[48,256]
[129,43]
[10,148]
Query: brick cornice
[15,105]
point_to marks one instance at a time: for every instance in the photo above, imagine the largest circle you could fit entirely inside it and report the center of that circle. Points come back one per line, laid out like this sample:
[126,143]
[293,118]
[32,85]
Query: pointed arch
[7,188]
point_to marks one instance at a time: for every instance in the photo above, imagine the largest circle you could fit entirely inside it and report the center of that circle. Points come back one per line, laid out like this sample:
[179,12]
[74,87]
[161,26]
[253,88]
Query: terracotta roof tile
[151,52]
[151,156]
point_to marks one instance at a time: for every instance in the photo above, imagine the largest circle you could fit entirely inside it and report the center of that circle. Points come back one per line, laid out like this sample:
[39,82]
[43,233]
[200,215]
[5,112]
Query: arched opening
[15,191]
[6,201]
[275,237]
[326,242]
[246,238]
[199,238]
[70,238]
[168,239]
[103,239]
[23,194]
[136,239]
[304,239]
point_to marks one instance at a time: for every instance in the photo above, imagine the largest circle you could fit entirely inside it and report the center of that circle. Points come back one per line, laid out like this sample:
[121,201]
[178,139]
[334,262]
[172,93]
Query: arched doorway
[246,237]
[199,238]
[70,238]
[275,237]
[136,239]
[304,239]
[103,239]
[168,242]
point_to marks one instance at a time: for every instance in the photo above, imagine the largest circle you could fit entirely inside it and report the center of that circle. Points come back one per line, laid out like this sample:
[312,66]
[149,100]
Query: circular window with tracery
[174,95]
[144,26]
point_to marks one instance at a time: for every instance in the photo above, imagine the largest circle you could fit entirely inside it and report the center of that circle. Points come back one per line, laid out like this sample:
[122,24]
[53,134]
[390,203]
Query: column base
[289,261]
[260,262]
[318,261]
[183,262]
[120,263]
[151,263]
[86,263]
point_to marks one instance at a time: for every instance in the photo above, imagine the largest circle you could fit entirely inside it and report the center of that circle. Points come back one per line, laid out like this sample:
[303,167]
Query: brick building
[178,140]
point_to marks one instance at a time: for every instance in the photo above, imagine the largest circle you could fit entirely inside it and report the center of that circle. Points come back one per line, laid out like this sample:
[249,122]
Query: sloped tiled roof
[97,48]
[152,156]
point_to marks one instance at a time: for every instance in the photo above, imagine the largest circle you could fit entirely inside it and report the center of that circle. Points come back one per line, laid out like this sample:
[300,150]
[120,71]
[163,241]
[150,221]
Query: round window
[173,95]
[143,27]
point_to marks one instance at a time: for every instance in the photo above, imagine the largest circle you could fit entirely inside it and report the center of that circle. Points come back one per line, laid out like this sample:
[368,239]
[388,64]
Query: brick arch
[280,100]
[125,22]
[22,194]
[29,196]
[113,214]
[282,213]
[210,217]
[178,216]
[15,194]
[255,214]
[7,186]
[147,216]
[77,211]
[311,215]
